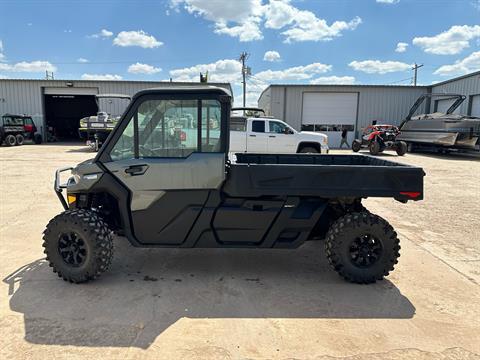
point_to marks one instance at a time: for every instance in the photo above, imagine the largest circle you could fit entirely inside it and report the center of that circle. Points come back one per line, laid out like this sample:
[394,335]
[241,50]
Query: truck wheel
[308,149]
[356,145]
[78,245]
[374,147]
[362,247]
[401,148]
[19,139]
[10,140]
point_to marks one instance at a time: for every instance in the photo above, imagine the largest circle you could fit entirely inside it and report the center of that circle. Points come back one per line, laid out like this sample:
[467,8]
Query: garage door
[443,105]
[475,108]
[330,113]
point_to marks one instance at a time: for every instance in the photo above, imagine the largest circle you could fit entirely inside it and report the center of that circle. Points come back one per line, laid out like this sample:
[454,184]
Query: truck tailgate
[325,176]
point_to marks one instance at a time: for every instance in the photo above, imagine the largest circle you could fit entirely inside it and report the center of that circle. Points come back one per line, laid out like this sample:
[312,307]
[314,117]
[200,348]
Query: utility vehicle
[150,184]
[378,138]
[12,130]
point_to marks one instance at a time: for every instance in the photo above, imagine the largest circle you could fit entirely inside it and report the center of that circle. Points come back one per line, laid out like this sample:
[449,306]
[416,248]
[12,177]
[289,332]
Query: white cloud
[82,60]
[136,38]
[379,67]
[388,1]
[30,67]
[103,34]
[449,42]
[243,19]
[293,73]
[334,80]
[469,64]
[139,68]
[401,47]
[304,24]
[271,56]
[101,77]
[227,70]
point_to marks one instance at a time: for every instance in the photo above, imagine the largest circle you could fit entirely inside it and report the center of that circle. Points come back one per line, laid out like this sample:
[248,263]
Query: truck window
[258,126]
[277,127]
[123,148]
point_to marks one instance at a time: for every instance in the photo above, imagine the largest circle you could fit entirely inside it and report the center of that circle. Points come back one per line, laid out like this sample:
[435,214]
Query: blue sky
[328,41]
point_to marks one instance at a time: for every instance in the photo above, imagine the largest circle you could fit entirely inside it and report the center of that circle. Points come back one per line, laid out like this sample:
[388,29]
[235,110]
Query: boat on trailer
[441,130]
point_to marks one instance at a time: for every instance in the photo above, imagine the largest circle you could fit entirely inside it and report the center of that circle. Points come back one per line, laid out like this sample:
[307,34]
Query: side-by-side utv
[160,187]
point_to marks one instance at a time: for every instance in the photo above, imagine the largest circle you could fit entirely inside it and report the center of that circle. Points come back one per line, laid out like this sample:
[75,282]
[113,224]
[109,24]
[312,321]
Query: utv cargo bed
[324,176]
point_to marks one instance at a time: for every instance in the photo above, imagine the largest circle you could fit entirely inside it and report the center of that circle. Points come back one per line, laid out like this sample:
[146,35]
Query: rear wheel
[401,148]
[308,149]
[37,139]
[356,145]
[19,139]
[362,247]
[374,147]
[78,245]
[10,140]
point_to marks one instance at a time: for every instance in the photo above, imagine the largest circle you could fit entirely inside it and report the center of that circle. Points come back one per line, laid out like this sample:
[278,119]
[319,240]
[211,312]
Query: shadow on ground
[148,290]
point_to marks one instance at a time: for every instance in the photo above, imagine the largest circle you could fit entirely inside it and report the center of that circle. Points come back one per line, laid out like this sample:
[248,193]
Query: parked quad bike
[378,138]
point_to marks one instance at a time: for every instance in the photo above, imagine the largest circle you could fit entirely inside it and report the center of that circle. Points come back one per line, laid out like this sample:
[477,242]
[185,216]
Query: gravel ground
[217,304]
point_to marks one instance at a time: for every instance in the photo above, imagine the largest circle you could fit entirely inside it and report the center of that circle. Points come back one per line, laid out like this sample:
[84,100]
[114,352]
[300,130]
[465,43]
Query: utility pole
[245,71]
[415,68]
[48,76]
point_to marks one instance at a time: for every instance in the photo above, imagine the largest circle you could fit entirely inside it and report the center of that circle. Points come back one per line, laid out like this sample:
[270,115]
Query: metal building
[332,108]
[60,104]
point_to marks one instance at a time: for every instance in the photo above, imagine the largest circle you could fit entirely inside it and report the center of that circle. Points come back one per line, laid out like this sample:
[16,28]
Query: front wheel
[308,150]
[356,145]
[78,245]
[362,247]
[401,148]
[374,147]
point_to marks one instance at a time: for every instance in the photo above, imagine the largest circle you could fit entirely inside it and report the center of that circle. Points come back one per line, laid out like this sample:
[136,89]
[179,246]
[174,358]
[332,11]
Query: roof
[476,73]
[184,90]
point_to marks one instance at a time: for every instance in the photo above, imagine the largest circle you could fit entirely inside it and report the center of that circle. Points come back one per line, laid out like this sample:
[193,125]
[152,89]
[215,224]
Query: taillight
[28,128]
[183,136]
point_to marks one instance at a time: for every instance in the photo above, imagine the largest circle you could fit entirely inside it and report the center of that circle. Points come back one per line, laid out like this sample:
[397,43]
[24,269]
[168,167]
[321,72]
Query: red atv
[379,138]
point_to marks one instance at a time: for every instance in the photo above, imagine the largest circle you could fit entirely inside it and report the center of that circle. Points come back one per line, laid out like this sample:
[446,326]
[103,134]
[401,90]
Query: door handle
[271,136]
[136,169]
[252,135]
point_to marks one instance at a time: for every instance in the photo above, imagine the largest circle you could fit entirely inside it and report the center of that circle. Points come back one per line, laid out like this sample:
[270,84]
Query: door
[281,139]
[330,113]
[475,105]
[169,155]
[257,138]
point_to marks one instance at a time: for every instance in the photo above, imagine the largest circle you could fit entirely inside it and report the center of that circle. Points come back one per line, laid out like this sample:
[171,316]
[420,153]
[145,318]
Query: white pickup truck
[268,135]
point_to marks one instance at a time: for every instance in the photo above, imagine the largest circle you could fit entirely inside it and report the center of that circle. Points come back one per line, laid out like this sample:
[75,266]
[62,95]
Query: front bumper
[58,186]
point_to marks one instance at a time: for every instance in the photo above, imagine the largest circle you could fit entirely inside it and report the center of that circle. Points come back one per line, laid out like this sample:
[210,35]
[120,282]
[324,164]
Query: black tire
[10,140]
[401,148]
[378,243]
[308,150]
[19,139]
[356,145]
[78,245]
[374,147]
[37,139]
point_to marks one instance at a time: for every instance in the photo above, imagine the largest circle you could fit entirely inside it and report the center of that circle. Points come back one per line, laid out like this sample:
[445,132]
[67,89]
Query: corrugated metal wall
[26,96]
[381,103]
[468,86]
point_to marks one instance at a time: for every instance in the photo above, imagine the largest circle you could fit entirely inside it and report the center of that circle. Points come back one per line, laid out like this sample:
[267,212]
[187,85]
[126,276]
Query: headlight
[325,140]
[83,123]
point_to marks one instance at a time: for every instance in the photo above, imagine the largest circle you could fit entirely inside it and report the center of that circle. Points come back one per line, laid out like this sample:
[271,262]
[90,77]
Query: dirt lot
[208,304]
